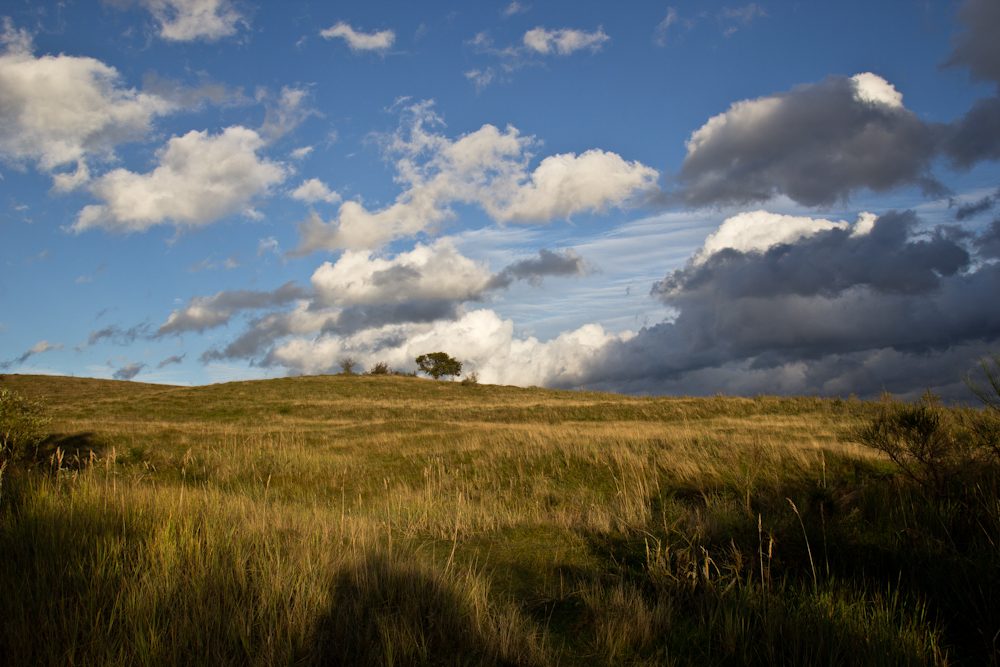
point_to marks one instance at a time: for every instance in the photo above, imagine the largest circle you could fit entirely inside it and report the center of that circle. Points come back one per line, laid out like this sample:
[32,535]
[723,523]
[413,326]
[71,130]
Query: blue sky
[638,197]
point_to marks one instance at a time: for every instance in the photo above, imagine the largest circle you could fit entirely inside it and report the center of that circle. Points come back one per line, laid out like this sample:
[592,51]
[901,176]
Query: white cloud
[660,32]
[200,178]
[55,110]
[285,113]
[876,90]
[488,167]
[756,231]
[301,153]
[314,190]
[270,244]
[480,339]
[481,78]
[563,42]
[380,41]
[514,8]
[566,184]
[435,272]
[188,20]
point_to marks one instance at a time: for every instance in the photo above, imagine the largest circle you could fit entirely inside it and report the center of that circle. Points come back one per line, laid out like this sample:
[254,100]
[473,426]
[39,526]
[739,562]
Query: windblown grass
[370,520]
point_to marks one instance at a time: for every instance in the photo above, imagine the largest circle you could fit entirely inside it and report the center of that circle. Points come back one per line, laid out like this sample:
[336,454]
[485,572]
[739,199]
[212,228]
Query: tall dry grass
[388,520]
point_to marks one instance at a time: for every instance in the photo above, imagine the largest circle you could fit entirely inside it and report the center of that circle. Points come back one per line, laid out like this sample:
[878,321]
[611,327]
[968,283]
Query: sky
[645,198]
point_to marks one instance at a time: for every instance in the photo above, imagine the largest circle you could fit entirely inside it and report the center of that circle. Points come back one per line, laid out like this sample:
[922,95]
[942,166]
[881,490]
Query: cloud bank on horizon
[527,208]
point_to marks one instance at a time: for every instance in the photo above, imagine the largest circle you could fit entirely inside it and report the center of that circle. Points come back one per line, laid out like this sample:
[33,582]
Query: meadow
[385,520]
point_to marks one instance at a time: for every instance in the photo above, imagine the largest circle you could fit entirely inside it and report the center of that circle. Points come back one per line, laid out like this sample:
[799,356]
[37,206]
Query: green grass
[370,520]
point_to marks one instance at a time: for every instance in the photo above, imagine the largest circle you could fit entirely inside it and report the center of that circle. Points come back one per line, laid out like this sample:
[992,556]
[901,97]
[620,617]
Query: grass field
[382,520]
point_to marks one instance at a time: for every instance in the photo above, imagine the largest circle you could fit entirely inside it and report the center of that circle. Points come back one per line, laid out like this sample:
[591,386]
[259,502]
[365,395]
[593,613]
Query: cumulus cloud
[57,110]
[488,167]
[363,291]
[482,340]
[314,190]
[380,41]
[563,42]
[816,144]
[759,230]
[190,20]
[206,312]
[38,348]
[200,179]
[824,311]
[436,272]
[128,371]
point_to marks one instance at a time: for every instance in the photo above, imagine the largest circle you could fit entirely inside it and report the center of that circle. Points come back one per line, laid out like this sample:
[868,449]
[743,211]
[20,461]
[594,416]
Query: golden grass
[277,522]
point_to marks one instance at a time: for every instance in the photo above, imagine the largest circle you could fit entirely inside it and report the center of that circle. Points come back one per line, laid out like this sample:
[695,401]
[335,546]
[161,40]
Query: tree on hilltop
[437,364]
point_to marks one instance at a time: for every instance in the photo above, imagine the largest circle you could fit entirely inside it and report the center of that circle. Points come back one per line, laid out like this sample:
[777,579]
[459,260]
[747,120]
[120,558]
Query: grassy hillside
[352,520]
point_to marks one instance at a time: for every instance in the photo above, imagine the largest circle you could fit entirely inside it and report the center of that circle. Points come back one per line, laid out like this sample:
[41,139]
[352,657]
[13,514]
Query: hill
[358,519]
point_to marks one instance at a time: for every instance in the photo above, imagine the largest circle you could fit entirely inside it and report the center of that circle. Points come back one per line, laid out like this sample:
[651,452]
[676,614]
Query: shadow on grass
[388,610]
[76,449]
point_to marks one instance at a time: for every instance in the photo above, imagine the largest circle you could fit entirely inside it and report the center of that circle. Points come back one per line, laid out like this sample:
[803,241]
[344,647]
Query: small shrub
[21,420]
[347,364]
[931,444]
[988,393]
[381,368]
[471,379]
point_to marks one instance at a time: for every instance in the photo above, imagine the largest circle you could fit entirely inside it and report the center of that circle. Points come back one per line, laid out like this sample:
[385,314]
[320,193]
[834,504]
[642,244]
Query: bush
[932,445]
[988,393]
[21,420]
[471,378]
[437,364]
[347,364]
[381,368]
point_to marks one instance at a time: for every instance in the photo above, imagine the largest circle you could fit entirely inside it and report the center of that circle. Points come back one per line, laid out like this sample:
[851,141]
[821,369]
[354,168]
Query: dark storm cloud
[548,263]
[821,143]
[988,243]
[887,259]
[975,136]
[966,211]
[817,144]
[822,314]
[977,46]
